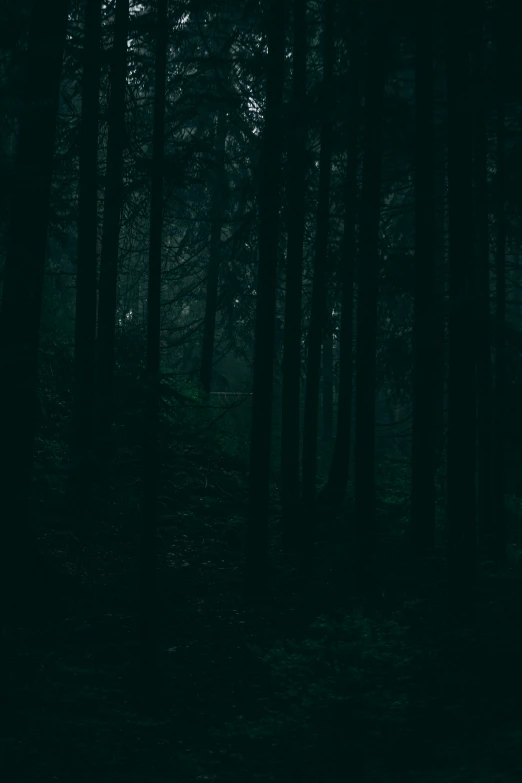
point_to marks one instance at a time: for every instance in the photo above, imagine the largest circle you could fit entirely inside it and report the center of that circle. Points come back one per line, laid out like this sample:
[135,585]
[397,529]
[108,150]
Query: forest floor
[321,685]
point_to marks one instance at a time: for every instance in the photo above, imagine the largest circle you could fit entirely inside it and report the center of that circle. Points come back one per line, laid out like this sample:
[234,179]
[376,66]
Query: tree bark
[291,369]
[216,217]
[498,541]
[483,318]
[256,576]
[318,300]
[22,293]
[335,489]
[368,268]
[424,319]
[112,207]
[148,623]
[85,323]
[327,388]
[461,391]
[441,275]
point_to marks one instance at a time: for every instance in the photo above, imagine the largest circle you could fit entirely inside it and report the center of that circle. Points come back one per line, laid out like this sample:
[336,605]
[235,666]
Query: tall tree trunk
[87,246]
[482,322]
[318,300]
[498,542]
[328,386]
[441,274]
[151,451]
[22,292]
[338,476]
[291,370]
[216,217]
[423,430]
[368,268]
[461,392]
[256,576]
[112,206]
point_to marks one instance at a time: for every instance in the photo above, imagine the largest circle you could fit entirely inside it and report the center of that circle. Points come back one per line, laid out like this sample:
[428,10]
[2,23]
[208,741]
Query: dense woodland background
[261,353]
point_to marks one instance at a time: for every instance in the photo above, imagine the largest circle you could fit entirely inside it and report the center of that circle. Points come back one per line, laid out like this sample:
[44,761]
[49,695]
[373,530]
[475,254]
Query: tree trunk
[424,319]
[335,489]
[461,392]
[441,274]
[291,370]
[327,387]
[216,216]
[85,323]
[368,269]
[22,292]
[498,542]
[152,465]
[256,577]
[112,206]
[482,318]
[318,300]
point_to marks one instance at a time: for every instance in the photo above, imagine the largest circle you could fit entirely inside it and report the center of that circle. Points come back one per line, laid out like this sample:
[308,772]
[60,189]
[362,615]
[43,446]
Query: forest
[261,371]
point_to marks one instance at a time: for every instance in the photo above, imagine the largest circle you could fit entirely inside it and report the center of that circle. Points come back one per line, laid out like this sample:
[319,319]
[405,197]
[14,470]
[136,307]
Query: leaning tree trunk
[461,391]
[256,576]
[148,625]
[291,369]
[23,290]
[112,206]
[368,269]
[423,430]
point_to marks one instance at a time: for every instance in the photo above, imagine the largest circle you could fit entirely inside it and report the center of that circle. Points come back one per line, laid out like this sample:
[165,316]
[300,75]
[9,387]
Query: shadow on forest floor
[322,686]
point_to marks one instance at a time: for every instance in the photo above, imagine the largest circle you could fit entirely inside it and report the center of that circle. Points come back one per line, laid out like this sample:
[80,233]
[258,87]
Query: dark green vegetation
[260,391]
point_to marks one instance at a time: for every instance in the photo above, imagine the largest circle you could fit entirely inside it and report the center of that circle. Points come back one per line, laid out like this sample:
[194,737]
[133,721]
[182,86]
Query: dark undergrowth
[322,684]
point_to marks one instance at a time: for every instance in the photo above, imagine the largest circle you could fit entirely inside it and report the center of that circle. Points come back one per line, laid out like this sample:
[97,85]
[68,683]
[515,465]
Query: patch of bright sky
[183,20]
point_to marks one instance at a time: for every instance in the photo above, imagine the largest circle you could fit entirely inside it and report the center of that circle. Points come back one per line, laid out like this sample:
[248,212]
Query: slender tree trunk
[318,301]
[498,541]
[22,292]
[291,386]
[461,392]
[112,206]
[423,430]
[482,322]
[368,268]
[85,323]
[439,249]
[256,576]
[151,450]
[338,477]
[327,387]
[216,216]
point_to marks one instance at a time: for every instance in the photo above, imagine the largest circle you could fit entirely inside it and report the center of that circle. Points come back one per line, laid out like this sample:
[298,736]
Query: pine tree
[461,387]
[335,488]
[22,291]
[112,208]
[85,322]
[151,462]
[264,349]
[423,435]
[291,369]
[367,286]
[318,303]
